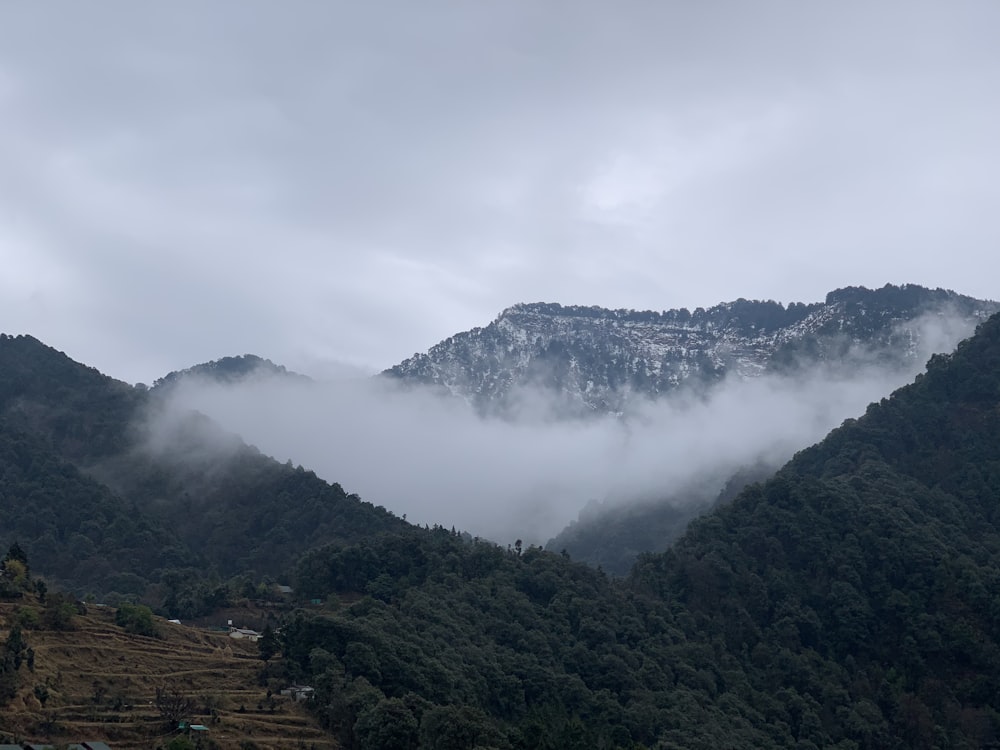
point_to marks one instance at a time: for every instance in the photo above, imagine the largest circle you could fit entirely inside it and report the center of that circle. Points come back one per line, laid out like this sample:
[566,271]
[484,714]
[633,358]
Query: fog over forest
[436,461]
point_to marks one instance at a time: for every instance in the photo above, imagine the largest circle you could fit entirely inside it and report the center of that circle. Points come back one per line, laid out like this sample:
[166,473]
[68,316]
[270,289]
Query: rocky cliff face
[593,360]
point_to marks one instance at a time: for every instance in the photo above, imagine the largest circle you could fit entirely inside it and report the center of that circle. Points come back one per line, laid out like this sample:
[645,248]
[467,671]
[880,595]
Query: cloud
[358,181]
[435,460]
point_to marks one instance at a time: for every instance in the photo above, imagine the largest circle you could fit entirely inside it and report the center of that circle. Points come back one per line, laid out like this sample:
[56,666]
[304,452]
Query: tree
[457,728]
[14,552]
[267,644]
[13,654]
[58,613]
[14,647]
[15,573]
[389,725]
[173,705]
[136,618]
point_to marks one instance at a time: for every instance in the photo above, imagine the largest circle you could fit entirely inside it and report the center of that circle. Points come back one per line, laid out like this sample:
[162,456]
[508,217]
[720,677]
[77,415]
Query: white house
[251,635]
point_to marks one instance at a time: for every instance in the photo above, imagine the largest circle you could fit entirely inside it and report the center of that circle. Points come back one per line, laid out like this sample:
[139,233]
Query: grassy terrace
[100,682]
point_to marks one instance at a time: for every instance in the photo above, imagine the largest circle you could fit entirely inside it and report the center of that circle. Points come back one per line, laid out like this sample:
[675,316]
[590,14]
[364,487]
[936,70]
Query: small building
[299,693]
[240,633]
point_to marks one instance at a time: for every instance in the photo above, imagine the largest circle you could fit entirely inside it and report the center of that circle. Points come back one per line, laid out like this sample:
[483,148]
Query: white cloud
[360,181]
[434,460]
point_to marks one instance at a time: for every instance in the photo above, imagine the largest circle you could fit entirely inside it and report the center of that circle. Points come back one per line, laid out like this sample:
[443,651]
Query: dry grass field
[100,683]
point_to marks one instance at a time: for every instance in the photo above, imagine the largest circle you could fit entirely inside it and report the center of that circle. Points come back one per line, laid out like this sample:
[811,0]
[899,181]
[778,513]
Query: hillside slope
[99,682]
[860,582]
[108,493]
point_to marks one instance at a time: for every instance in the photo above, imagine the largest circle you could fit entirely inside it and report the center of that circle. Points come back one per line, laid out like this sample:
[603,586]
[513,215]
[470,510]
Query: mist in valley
[433,459]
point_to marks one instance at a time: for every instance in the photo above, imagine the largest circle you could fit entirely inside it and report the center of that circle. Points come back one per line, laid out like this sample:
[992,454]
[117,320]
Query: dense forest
[849,601]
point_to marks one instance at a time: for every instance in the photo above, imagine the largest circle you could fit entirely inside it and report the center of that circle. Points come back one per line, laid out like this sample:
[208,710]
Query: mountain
[108,492]
[589,360]
[550,361]
[857,587]
[848,602]
[230,370]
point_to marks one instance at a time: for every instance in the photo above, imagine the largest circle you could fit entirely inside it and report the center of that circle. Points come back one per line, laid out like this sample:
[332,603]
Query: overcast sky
[324,182]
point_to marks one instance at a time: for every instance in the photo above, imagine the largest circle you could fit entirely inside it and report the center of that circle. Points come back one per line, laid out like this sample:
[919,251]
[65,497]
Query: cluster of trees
[457,643]
[15,580]
[750,316]
[743,315]
[136,619]
[14,653]
[893,298]
[15,575]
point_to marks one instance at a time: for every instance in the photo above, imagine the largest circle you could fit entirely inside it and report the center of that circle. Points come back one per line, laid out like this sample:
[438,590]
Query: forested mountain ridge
[76,410]
[108,494]
[849,602]
[861,581]
[593,360]
[230,370]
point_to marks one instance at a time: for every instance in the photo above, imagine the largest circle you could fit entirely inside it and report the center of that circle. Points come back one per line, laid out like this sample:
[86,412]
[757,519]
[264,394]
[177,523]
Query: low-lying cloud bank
[434,460]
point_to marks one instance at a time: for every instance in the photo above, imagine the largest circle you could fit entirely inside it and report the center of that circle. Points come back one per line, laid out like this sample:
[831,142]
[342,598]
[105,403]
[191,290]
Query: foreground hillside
[849,602]
[91,679]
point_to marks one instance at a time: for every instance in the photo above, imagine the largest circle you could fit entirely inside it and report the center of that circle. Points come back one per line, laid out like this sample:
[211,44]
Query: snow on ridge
[596,359]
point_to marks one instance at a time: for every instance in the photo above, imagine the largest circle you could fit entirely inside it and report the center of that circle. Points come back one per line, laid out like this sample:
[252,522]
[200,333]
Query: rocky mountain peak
[592,360]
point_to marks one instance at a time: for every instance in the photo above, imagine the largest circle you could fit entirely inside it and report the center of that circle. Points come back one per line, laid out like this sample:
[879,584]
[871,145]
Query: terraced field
[100,683]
